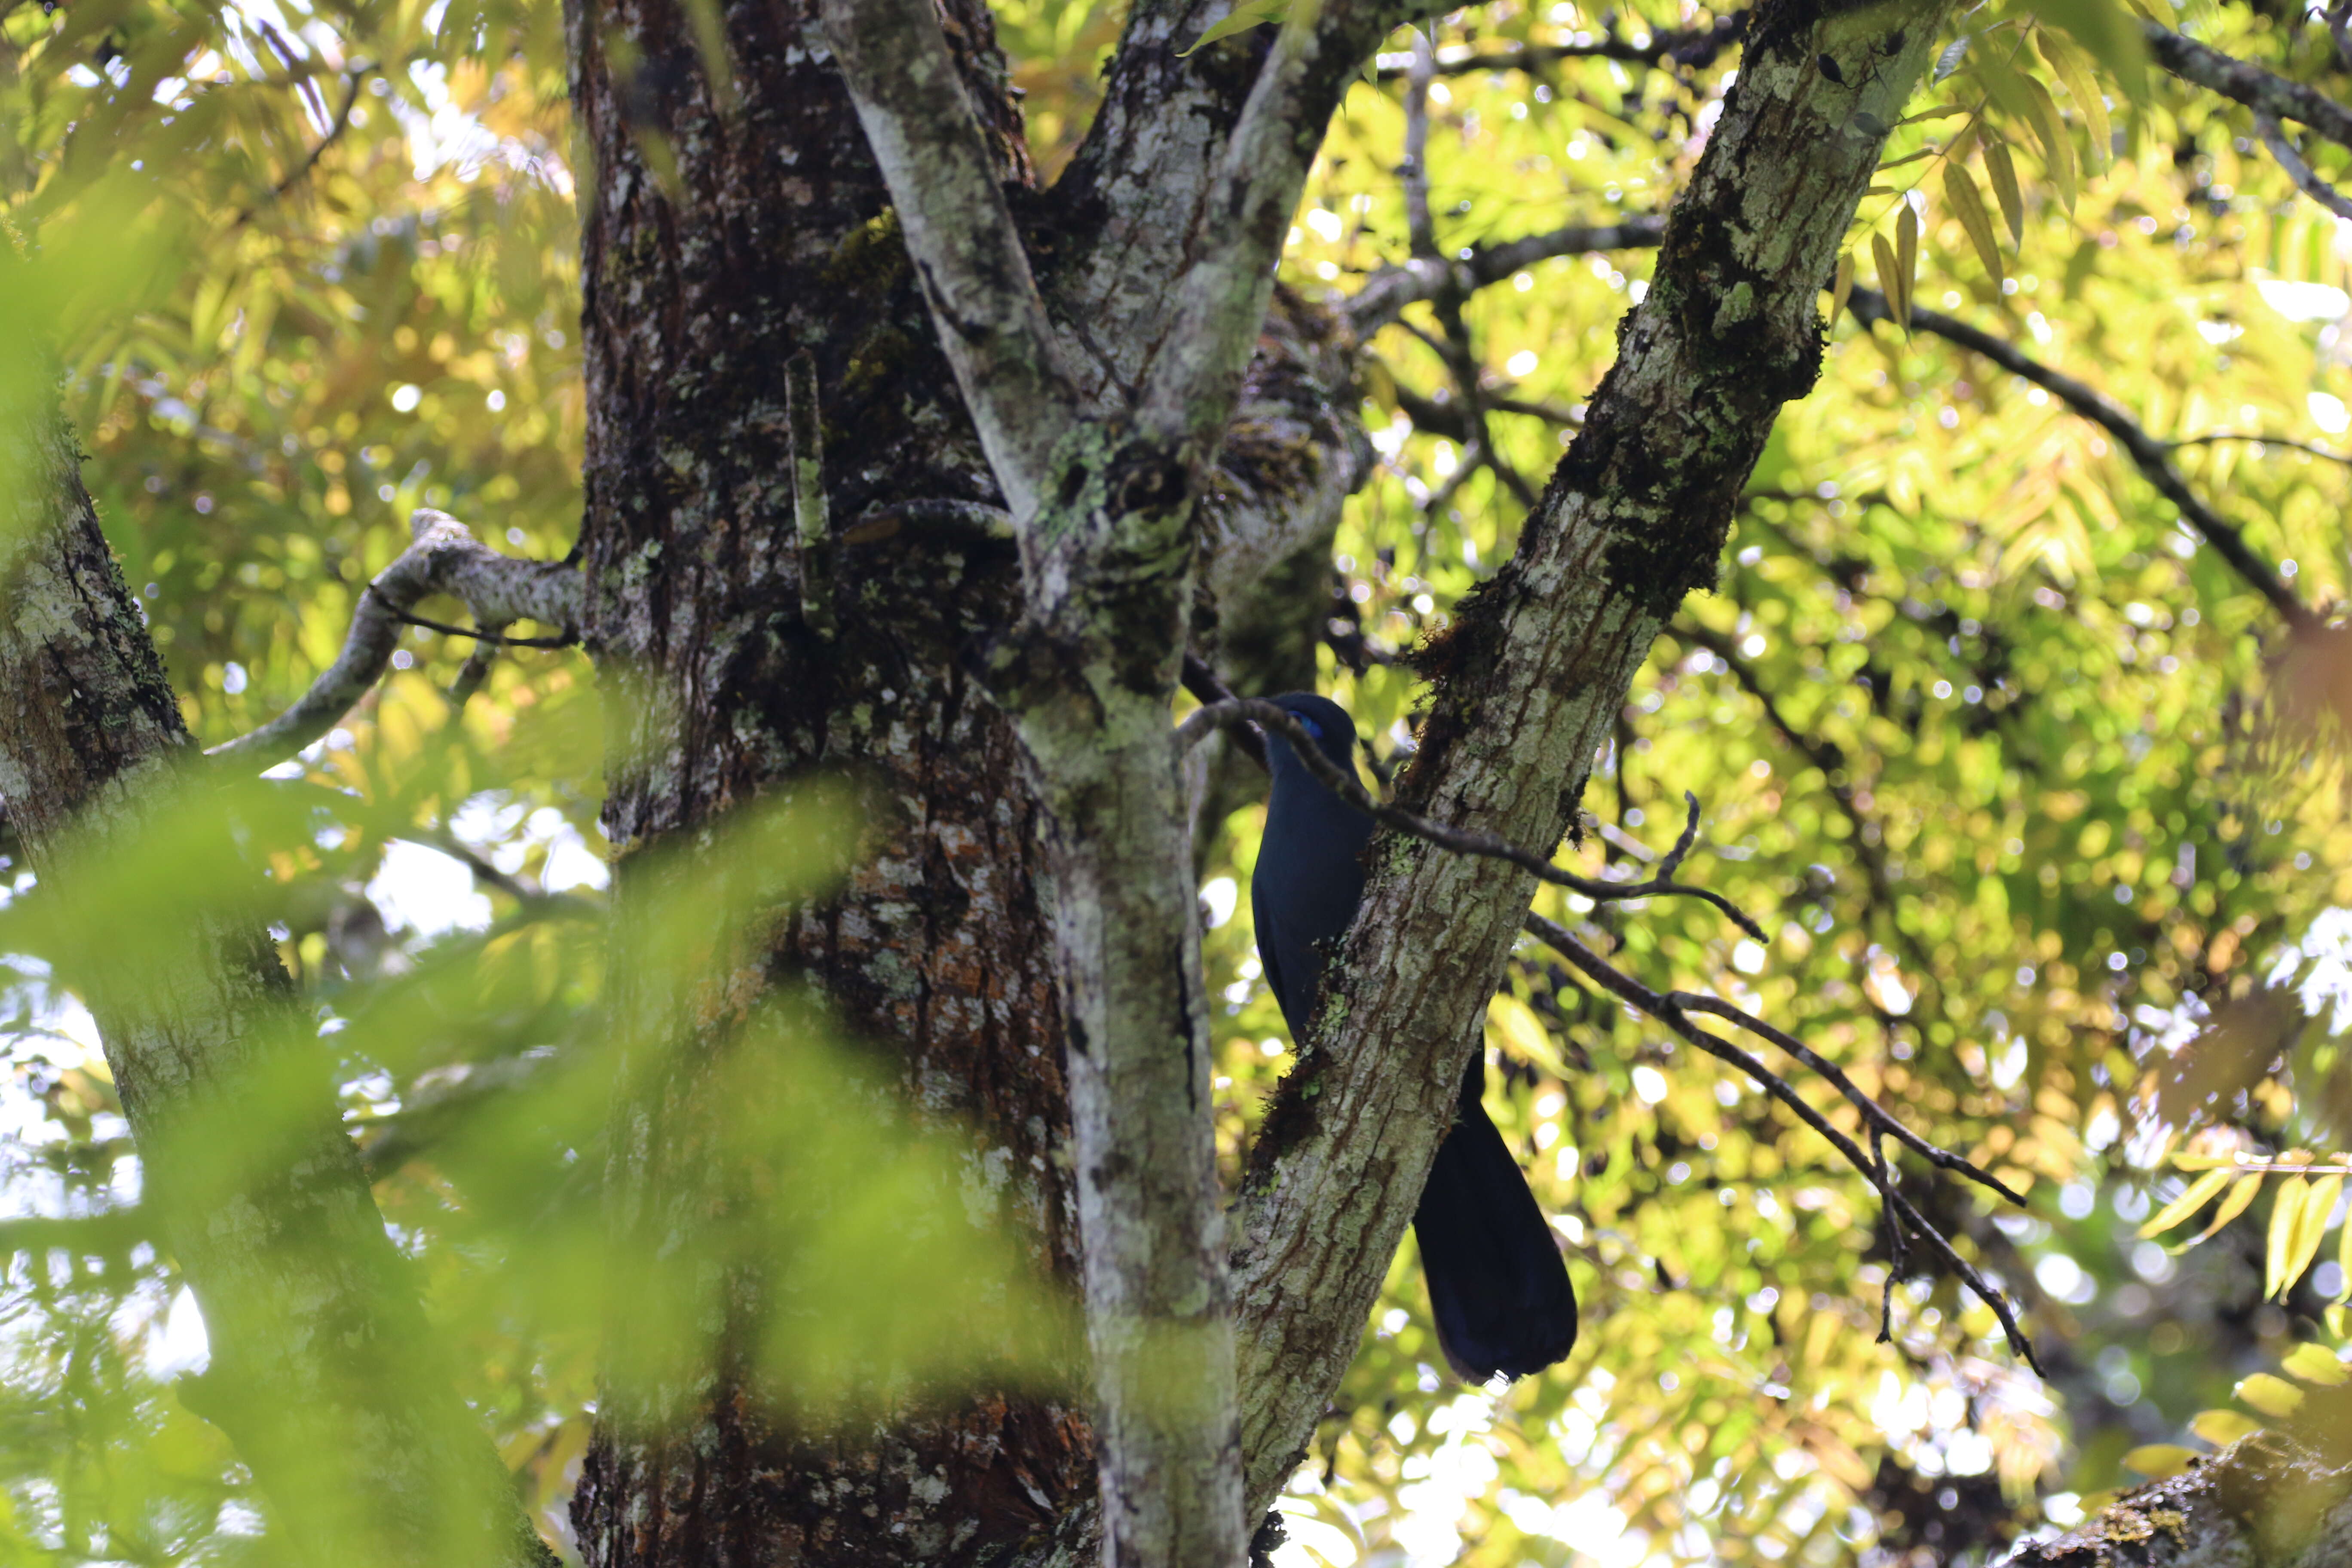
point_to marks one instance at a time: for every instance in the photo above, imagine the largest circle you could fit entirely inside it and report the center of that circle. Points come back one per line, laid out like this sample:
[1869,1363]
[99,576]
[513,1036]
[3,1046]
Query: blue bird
[1498,1288]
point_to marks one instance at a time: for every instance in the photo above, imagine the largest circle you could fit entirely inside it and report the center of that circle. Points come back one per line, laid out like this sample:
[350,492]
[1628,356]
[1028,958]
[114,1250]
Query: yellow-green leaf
[1518,1029]
[2239,1199]
[1907,253]
[2159,1461]
[2316,1364]
[1961,196]
[1891,280]
[2102,28]
[2273,1396]
[2311,1224]
[2002,173]
[2073,68]
[2057,146]
[2286,1221]
[2223,1427]
[1241,19]
[1842,287]
[2201,1192]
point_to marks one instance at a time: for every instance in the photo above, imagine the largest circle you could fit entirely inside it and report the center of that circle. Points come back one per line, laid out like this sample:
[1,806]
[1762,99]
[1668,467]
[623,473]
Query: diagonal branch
[959,229]
[1388,291]
[1670,1010]
[2263,92]
[444,558]
[2275,137]
[1238,711]
[2154,457]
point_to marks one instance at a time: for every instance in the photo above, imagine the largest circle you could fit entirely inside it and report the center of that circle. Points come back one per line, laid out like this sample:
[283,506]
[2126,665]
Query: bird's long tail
[1498,1285]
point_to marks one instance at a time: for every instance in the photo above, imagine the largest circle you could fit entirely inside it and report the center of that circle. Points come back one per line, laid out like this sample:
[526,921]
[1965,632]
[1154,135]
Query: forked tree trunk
[727,231]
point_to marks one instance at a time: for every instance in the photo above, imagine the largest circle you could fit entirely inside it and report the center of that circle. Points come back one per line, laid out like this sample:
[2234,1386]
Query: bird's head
[1326,720]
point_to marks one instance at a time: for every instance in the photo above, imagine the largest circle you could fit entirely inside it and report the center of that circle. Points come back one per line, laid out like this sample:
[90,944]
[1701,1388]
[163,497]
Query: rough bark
[2275,1500]
[1535,671]
[774,235]
[702,283]
[322,1370]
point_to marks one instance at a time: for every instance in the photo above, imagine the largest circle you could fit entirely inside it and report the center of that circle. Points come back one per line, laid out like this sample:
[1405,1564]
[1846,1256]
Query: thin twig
[1682,46]
[1387,292]
[1885,1121]
[1238,711]
[2213,437]
[356,76]
[2152,456]
[1667,1010]
[480,634]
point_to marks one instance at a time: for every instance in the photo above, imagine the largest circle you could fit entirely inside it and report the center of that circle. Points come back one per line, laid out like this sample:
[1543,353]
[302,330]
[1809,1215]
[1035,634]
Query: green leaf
[2073,68]
[2316,1364]
[2057,146]
[2201,1192]
[2102,27]
[1241,19]
[1907,253]
[2159,1461]
[2002,173]
[2273,1396]
[2223,1427]
[1961,196]
[2286,1221]
[1892,280]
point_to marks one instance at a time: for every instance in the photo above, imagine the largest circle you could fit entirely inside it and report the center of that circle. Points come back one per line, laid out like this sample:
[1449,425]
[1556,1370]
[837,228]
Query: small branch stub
[810,521]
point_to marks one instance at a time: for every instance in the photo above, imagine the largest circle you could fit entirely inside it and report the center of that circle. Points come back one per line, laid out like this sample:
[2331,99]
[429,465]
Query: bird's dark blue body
[1498,1288]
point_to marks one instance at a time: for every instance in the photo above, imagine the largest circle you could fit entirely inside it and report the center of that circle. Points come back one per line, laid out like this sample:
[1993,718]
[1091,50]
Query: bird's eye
[1309,725]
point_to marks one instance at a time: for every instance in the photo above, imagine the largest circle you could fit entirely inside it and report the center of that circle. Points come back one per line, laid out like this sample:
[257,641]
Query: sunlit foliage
[1988,740]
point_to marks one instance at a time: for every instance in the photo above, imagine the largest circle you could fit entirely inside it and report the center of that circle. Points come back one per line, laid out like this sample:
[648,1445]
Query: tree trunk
[723,236]
[322,1369]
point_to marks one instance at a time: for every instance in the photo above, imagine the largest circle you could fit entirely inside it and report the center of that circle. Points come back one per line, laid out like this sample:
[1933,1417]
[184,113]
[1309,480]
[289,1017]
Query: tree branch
[1387,292]
[1694,47]
[1234,712]
[974,270]
[2153,457]
[1669,1010]
[2263,92]
[2275,137]
[444,559]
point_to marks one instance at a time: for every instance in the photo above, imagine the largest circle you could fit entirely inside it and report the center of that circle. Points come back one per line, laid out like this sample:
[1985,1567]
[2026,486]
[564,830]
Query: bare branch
[1876,1114]
[2263,92]
[2153,456]
[2212,436]
[1669,1011]
[444,559]
[1697,47]
[2275,137]
[975,273]
[1237,711]
[1388,291]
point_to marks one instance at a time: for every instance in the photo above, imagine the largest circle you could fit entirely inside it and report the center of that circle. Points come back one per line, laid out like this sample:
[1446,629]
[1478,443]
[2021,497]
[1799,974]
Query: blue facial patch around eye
[1309,725]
